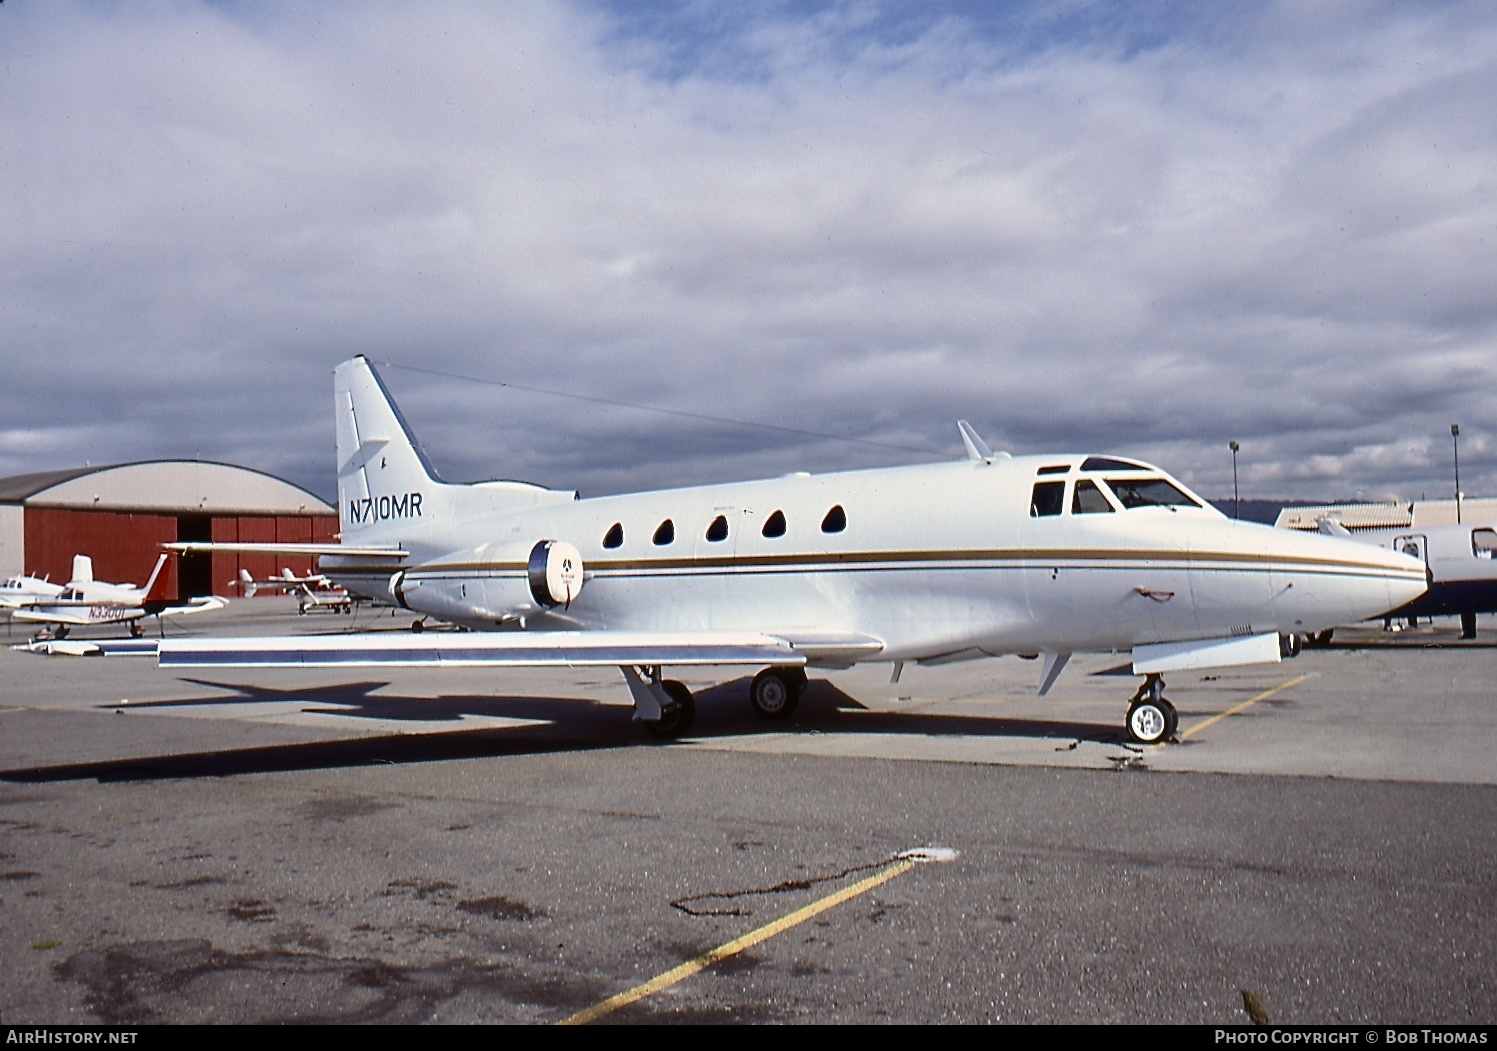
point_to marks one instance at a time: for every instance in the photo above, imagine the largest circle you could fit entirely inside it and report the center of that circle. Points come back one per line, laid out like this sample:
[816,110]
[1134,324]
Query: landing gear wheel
[775,692]
[1150,722]
[1290,645]
[136,631]
[676,718]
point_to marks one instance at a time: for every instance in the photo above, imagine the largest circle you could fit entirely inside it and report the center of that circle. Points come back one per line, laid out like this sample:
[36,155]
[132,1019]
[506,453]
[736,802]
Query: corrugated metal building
[120,515]
[1418,514]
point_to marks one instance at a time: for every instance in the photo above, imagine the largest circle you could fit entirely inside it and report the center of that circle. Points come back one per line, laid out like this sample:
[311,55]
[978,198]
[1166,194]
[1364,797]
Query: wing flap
[828,650]
[554,649]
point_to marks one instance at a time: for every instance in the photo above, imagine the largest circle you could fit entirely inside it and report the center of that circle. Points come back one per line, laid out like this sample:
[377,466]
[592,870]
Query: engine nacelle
[552,576]
[555,572]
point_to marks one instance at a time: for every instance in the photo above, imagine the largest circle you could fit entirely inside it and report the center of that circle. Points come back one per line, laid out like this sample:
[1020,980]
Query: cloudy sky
[608,246]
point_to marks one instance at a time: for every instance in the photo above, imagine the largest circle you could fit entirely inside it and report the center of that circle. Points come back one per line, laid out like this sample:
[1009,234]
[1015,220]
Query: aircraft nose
[1394,579]
[1330,582]
[1407,588]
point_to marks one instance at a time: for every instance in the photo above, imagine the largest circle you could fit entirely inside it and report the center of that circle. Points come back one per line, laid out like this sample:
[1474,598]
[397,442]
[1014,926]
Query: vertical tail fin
[154,574]
[383,476]
[83,570]
[386,486]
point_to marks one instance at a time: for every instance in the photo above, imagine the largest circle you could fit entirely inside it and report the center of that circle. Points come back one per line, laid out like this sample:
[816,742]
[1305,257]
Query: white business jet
[980,557]
[84,601]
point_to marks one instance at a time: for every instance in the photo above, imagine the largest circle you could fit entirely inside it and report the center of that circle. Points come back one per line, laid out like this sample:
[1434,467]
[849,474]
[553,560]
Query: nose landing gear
[1151,718]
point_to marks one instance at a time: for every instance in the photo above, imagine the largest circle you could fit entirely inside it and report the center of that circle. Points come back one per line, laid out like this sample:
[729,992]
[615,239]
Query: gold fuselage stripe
[832,560]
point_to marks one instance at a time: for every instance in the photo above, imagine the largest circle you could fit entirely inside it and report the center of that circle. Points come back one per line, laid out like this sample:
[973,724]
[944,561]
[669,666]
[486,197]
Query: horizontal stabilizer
[549,649]
[1205,653]
[246,547]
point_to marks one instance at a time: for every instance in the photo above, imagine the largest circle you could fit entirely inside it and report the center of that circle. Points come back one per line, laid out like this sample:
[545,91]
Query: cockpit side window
[1148,492]
[1088,499]
[1048,499]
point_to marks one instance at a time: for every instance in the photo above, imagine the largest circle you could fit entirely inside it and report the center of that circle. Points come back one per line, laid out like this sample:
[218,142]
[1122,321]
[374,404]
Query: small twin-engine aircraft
[979,557]
[287,581]
[1462,564]
[84,601]
[313,590]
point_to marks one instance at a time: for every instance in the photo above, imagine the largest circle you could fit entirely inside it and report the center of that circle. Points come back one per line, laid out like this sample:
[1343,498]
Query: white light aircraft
[287,581]
[980,557]
[22,590]
[85,601]
[1462,564]
[312,591]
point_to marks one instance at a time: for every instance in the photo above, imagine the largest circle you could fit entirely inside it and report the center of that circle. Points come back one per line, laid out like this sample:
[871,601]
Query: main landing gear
[667,709]
[1151,718]
[677,716]
[665,706]
[775,692]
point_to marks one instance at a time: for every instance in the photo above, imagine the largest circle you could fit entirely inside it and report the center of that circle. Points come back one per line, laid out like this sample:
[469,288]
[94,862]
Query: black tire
[677,718]
[1149,722]
[1290,645]
[775,692]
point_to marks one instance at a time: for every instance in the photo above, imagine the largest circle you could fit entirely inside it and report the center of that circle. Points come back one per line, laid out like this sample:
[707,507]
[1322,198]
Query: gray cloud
[1080,230]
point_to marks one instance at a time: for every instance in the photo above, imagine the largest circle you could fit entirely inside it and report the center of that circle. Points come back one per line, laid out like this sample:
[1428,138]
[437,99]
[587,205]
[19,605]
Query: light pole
[1236,503]
[1455,445]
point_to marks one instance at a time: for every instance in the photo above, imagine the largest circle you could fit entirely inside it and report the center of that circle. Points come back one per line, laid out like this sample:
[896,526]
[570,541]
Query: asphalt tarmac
[469,846]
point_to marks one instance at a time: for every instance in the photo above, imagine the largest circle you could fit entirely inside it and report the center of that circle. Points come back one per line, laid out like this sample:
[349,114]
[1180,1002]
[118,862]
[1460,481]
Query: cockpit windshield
[1148,492]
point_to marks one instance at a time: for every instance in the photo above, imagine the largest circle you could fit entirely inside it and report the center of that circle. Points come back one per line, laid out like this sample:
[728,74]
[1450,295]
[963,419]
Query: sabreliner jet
[985,556]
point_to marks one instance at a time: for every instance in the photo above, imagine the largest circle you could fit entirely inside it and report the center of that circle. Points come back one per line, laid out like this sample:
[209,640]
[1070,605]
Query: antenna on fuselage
[977,449]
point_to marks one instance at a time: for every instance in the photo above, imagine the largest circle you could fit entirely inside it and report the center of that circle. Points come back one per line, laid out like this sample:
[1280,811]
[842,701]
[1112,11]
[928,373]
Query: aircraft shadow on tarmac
[557,724]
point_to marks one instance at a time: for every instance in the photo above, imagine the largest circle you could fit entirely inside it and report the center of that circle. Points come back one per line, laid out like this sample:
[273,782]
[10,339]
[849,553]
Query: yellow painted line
[737,945]
[1243,704]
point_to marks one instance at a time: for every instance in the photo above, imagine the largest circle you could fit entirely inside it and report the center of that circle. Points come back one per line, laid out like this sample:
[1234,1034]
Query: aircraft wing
[82,614]
[535,649]
[79,614]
